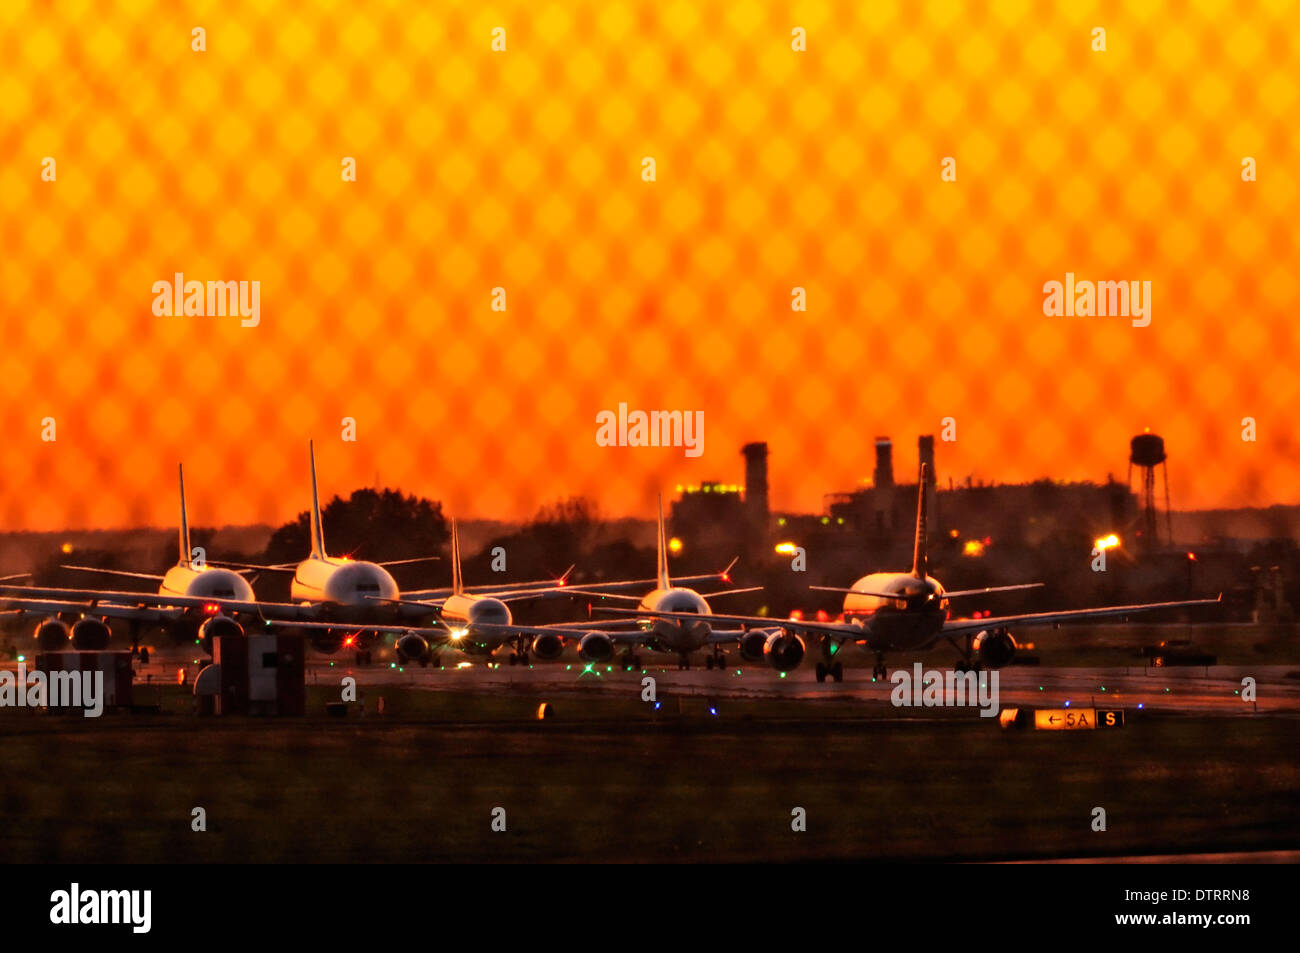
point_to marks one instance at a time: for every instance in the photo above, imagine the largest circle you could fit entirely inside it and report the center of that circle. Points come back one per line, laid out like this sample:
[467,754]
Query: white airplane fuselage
[672,635]
[911,620]
[351,587]
[208,583]
[464,611]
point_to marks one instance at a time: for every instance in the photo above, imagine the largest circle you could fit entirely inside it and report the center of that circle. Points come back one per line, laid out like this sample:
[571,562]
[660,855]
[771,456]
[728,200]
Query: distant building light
[786,549]
[780,521]
[1107,542]
[826,520]
[973,547]
[674,545]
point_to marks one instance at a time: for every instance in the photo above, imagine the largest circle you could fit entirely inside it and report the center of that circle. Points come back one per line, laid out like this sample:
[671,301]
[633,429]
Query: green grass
[607,780]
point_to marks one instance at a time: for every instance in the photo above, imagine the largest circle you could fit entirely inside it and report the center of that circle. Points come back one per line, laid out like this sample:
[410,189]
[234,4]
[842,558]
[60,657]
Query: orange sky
[522,169]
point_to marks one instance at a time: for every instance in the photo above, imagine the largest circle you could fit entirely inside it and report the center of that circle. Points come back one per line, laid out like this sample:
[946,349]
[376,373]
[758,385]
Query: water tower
[1146,452]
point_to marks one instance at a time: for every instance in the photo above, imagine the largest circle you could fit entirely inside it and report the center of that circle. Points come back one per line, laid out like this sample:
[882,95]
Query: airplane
[479,625]
[677,619]
[477,620]
[908,612]
[197,598]
[338,596]
[191,581]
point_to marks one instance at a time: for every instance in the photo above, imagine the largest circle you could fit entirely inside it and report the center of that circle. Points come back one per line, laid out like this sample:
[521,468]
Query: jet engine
[752,645]
[413,647]
[994,649]
[52,634]
[596,647]
[783,650]
[215,626]
[91,635]
[549,647]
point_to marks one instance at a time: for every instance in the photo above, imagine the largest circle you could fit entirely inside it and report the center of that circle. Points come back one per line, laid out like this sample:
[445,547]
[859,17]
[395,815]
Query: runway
[1216,689]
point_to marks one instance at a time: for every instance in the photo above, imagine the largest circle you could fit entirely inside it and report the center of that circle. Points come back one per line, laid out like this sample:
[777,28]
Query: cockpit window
[367,587]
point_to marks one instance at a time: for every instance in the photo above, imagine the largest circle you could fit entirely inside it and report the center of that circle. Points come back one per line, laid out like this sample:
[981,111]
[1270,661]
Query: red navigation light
[796,615]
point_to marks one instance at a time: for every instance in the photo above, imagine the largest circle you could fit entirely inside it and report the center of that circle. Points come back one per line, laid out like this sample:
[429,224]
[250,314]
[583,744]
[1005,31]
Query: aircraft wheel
[837,671]
[513,661]
[821,671]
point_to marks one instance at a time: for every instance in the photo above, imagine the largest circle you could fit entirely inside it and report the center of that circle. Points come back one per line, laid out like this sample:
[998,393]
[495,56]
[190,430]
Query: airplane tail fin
[662,568]
[185,523]
[457,582]
[317,534]
[920,562]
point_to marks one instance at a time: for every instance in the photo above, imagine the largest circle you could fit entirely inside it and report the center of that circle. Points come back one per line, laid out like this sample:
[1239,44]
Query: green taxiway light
[783,674]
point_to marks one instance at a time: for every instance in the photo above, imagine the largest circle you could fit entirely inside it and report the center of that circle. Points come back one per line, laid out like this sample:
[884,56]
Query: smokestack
[756,504]
[925,451]
[883,478]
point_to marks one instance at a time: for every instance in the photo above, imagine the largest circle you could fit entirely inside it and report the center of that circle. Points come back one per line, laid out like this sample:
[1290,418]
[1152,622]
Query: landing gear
[879,670]
[363,656]
[967,661]
[684,662]
[716,660]
[630,661]
[835,672]
[518,658]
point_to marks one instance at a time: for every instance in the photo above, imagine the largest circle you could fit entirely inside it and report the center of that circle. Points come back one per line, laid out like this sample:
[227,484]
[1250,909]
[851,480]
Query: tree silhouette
[370,524]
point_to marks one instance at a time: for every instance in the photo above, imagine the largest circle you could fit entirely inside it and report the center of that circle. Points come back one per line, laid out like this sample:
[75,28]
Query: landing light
[1107,542]
[786,549]
[973,547]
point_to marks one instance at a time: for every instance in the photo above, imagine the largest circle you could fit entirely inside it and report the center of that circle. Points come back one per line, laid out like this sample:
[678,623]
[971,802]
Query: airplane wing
[489,589]
[955,626]
[840,630]
[105,610]
[116,572]
[448,636]
[95,600]
[608,588]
